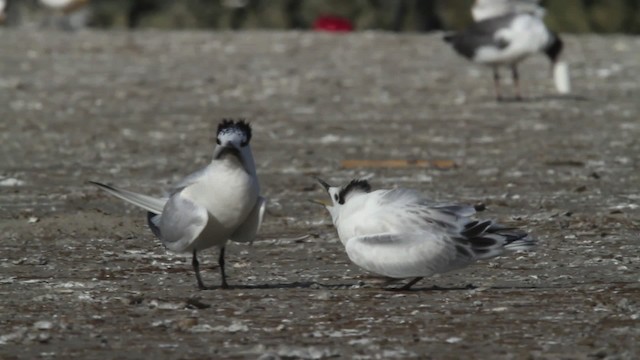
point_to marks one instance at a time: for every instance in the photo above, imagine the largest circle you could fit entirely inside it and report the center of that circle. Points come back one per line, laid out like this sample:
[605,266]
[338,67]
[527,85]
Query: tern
[507,40]
[218,203]
[400,234]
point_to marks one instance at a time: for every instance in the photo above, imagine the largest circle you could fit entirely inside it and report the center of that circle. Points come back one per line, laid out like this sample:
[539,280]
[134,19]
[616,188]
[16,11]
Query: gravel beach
[83,277]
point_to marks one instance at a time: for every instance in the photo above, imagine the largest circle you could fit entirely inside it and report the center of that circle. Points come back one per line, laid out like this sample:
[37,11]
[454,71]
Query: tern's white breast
[229,194]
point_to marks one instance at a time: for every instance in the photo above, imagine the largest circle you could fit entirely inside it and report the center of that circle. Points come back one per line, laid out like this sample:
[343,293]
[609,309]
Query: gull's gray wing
[407,255]
[246,232]
[181,223]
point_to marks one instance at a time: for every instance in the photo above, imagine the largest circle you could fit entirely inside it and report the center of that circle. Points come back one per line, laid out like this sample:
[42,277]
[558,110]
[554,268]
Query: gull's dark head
[554,48]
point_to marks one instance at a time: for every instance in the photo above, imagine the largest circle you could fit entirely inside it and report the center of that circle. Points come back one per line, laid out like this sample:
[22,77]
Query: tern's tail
[489,239]
[151,204]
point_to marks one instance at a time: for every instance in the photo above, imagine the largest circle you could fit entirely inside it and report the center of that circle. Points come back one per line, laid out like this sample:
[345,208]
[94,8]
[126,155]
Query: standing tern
[218,203]
[507,40]
[400,234]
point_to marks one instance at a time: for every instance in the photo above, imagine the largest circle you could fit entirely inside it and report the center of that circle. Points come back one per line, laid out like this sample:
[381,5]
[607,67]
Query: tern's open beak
[320,202]
[323,183]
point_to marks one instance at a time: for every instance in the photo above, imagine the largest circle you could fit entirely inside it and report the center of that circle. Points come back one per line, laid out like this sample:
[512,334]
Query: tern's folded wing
[407,255]
[246,232]
[187,180]
[181,223]
[148,203]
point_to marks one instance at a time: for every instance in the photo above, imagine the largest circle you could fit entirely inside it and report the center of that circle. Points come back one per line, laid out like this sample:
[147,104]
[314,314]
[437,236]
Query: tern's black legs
[516,81]
[221,264]
[496,83]
[196,268]
[411,283]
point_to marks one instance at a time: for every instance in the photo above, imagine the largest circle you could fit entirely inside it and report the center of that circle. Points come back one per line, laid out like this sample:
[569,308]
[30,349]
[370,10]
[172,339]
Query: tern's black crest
[240,126]
[354,185]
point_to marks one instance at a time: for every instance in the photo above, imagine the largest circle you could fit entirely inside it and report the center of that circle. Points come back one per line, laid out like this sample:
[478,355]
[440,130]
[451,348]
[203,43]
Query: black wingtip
[99,184]
[152,225]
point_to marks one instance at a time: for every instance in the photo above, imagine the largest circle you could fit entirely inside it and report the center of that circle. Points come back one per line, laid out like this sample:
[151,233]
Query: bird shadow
[360,286]
[466,288]
[291,285]
[542,98]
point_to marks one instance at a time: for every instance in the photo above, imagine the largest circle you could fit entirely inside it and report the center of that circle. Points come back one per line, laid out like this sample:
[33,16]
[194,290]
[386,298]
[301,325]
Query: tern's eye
[218,141]
[335,197]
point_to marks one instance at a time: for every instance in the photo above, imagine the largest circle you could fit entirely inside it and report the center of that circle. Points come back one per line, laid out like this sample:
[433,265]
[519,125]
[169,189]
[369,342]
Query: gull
[400,234]
[507,40]
[218,203]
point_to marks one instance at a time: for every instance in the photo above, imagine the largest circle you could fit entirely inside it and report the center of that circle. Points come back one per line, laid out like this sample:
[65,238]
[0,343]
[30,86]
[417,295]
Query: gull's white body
[61,4]
[400,234]
[525,36]
[486,9]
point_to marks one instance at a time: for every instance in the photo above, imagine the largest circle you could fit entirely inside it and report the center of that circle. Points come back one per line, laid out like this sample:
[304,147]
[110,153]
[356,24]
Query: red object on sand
[332,23]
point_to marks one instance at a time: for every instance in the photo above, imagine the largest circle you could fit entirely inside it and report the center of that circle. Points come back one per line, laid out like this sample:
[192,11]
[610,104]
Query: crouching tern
[218,203]
[400,234]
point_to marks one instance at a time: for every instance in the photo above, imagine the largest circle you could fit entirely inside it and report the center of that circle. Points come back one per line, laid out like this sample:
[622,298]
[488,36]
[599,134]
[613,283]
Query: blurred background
[574,16]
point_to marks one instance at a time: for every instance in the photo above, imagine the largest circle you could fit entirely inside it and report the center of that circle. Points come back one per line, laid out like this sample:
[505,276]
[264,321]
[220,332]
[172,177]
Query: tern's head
[340,195]
[233,139]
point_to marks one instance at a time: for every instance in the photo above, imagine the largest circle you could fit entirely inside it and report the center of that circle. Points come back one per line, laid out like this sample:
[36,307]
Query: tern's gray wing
[407,255]
[246,232]
[181,222]
[416,211]
[187,180]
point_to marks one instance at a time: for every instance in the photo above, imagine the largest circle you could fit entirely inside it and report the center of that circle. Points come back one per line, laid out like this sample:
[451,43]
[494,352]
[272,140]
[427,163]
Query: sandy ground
[82,276]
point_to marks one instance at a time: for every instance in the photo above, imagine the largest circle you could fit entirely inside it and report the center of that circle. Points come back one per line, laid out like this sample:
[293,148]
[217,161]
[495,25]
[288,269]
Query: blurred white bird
[64,5]
[508,39]
[3,9]
[485,9]
[68,14]
[221,202]
[400,234]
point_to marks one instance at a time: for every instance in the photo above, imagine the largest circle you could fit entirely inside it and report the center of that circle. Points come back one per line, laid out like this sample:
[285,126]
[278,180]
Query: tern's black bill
[323,183]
